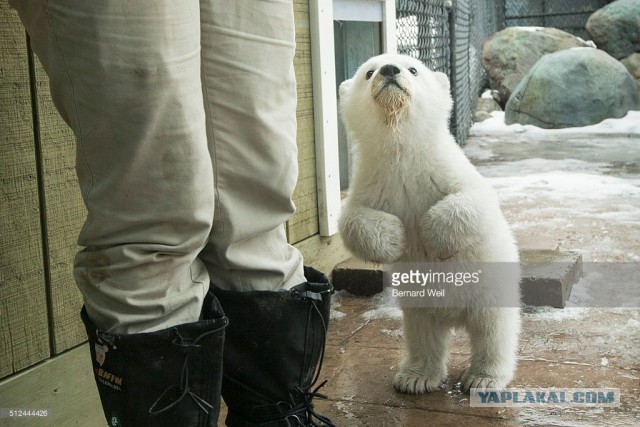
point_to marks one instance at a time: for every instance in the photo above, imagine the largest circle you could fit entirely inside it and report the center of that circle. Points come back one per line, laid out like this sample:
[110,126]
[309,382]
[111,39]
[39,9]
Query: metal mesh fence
[567,15]
[488,18]
[447,36]
[462,77]
[423,32]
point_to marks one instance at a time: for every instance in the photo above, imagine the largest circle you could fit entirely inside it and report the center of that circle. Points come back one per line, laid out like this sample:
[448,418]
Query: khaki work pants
[185,118]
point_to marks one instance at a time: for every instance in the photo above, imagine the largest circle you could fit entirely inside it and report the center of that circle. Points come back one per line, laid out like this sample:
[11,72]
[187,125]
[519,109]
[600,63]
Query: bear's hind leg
[424,367]
[494,339]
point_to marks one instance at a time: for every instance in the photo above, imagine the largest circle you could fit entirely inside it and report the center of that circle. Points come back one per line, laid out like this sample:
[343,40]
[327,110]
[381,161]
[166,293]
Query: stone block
[358,277]
[548,276]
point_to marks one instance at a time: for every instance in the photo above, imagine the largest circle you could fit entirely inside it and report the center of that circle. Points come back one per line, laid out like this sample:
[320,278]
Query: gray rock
[575,87]
[509,54]
[481,116]
[484,107]
[632,62]
[616,28]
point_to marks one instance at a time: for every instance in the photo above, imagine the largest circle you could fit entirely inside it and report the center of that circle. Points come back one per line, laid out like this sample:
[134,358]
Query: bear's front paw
[437,242]
[390,243]
[449,226]
[374,235]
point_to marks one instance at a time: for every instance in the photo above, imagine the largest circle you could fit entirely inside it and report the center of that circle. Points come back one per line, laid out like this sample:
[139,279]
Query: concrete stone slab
[548,276]
[357,414]
[570,348]
[358,277]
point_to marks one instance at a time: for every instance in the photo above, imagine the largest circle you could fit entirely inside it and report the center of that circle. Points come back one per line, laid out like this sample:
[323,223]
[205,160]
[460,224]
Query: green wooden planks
[24,333]
[305,221]
[65,214]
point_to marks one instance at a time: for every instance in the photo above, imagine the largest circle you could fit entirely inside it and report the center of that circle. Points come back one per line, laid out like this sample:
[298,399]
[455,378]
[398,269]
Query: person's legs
[277,319]
[250,94]
[125,75]
[126,78]
[273,353]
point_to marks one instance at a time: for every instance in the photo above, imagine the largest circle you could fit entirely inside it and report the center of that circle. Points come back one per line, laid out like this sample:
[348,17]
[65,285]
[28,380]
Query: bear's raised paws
[373,235]
[449,226]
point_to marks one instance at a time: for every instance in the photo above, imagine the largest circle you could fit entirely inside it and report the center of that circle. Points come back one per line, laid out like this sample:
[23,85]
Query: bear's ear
[443,79]
[344,88]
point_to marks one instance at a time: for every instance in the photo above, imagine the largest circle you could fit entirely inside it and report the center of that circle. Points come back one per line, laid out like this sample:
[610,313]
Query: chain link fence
[567,15]
[423,32]
[463,76]
[447,36]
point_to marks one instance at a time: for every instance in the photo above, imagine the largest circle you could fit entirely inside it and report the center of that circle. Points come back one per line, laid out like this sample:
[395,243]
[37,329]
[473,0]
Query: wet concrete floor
[559,191]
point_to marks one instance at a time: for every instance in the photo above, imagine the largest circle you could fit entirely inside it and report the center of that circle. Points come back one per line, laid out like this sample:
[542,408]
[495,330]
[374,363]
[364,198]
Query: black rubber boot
[165,378]
[273,353]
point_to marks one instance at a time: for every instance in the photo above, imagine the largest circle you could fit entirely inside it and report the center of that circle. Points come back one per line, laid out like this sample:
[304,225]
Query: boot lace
[306,408]
[183,389]
[303,414]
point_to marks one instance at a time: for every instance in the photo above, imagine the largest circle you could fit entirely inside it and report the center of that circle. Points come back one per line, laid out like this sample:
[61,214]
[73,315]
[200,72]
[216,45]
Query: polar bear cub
[415,197]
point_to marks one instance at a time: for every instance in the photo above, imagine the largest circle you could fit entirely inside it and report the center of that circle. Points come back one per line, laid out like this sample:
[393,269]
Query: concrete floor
[565,348]
[567,351]
[569,191]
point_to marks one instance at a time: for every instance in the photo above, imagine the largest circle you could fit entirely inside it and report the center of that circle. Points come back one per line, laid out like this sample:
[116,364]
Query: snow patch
[563,186]
[530,29]
[479,152]
[344,408]
[554,314]
[336,303]
[589,43]
[487,94]
[395,333]
[633,324]
[382,313]
[386,307]
[629,124]
[337,315]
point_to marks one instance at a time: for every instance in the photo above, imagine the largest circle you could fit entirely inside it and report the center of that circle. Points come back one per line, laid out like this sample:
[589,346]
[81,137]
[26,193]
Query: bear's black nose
[389,70]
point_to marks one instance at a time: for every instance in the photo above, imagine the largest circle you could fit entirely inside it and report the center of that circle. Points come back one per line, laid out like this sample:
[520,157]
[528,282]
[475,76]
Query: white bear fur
[415,197]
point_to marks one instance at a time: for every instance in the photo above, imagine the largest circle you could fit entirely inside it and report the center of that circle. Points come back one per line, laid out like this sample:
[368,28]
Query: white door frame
[322,15]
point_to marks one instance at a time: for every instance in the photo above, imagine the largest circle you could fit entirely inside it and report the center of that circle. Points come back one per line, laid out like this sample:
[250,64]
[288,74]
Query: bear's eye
[413,71]
[369,74]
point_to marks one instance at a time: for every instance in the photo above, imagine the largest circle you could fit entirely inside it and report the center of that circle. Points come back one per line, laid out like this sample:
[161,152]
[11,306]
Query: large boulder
[616,28]
[575,87]
[509,54]
[632,62]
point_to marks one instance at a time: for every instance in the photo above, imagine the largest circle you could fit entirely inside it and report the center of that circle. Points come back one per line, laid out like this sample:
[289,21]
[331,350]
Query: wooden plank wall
[65,214]
[304,223]
[24,331]
[41,211]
